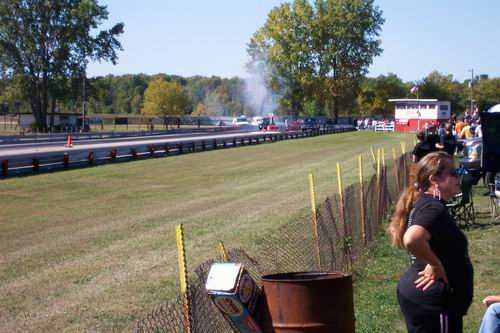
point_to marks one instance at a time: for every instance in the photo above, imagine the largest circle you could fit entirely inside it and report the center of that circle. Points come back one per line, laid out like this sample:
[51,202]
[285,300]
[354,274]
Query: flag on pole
[414,90]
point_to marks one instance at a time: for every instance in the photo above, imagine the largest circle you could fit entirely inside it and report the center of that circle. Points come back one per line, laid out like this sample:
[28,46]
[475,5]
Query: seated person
[447,141]
[491,319]
[426,144]
[466,132]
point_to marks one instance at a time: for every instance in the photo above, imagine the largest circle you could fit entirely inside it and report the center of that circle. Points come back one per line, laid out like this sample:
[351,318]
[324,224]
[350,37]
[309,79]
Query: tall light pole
[84,103]
[471,91]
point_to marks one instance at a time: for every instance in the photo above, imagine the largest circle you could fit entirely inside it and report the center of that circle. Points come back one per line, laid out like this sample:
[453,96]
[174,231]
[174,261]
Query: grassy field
[377,310]
[94,249]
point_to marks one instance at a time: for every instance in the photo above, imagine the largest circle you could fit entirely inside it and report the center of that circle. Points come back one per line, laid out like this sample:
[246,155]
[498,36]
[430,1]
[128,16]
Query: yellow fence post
[362,199]
[382,151]
[373,155]
[379,179]
[403,152]
[312,191]
[378,169]
[222,251]
[339,182]
[347,251]
[183,277]
[396,168]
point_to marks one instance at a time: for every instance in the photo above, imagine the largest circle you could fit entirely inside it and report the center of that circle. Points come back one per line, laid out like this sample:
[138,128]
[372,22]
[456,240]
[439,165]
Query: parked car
[310,124]
[257,121]
[240,120]
[294,125]
[328,124]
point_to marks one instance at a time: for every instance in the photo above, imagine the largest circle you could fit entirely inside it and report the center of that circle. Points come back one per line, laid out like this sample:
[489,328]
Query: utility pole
[84,102]
[471,91]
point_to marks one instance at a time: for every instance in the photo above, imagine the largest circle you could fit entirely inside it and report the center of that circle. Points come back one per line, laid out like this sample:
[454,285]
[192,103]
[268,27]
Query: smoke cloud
[257,95]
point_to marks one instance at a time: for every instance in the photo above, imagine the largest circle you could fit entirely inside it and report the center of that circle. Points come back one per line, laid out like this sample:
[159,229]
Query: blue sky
[209,37]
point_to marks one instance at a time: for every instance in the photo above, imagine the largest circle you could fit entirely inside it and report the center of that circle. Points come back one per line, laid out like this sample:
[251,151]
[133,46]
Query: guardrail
[384,127]
[39,138]
[75,157]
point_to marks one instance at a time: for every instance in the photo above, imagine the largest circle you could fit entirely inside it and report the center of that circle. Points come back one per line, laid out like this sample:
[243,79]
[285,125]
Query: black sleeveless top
[450,245]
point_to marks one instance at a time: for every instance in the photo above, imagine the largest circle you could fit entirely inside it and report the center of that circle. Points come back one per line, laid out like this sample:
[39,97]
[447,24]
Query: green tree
[443,87]
[318,51]
[487,93]
[200,110]
[280,50]
[165,99]
[374,94]
[45,42]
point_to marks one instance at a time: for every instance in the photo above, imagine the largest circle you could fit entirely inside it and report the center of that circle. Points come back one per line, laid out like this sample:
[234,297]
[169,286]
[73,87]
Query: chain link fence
[346,226]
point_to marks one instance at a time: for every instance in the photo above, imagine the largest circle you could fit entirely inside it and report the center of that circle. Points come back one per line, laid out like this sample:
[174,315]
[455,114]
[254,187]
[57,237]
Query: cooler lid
[223,277]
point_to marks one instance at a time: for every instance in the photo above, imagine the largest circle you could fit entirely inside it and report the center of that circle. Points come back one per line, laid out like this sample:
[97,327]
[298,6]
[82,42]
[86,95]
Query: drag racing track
[51,154]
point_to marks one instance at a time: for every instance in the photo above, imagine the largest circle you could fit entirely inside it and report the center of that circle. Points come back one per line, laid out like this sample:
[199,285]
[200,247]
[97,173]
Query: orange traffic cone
[69,142]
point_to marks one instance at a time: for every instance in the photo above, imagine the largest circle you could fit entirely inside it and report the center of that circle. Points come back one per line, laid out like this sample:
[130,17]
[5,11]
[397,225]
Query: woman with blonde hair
[436,290]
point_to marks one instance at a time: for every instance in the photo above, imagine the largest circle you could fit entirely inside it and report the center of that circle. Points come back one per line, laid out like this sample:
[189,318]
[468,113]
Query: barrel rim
[304,276]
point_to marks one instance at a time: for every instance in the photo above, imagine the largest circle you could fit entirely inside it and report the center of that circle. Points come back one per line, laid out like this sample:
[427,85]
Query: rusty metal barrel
[308,302]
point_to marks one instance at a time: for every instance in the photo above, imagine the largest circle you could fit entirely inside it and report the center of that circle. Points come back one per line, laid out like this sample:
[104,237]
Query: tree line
[216,96]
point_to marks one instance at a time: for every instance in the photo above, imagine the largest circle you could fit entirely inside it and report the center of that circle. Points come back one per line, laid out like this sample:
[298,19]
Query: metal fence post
[36,165]
[183,277]
[90,158]
[222,251]
[362,199]
[314,220]
[5,168]
[346,227]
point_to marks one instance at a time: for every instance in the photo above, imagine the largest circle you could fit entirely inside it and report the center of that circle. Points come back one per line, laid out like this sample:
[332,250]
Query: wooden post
[183,277]
[222,251]
[312,192]
[362,199]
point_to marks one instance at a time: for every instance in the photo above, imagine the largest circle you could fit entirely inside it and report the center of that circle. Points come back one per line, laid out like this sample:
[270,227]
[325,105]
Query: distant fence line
[68,158]
[346,225]
[72,122]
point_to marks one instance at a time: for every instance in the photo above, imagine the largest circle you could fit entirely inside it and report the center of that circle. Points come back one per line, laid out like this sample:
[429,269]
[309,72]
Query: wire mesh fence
[346,225]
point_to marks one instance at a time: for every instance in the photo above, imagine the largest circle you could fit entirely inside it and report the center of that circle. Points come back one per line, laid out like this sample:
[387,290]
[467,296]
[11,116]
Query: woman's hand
[490,300]
[429,275]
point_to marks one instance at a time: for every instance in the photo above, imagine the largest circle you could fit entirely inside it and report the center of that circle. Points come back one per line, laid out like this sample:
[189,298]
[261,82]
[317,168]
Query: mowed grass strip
[94,249]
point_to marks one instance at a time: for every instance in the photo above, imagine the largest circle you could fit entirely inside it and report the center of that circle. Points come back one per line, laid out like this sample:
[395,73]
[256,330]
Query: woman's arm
[416,240]
[491,299]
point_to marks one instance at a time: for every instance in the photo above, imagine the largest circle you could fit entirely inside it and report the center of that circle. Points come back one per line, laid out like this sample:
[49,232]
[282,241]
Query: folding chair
[462,206]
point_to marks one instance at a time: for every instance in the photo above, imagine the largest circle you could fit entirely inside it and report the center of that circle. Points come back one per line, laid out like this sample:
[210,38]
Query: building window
[432,106]
[443,107]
